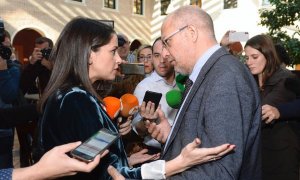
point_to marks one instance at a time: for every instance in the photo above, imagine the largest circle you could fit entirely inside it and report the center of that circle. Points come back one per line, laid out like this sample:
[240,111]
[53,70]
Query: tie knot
[188,83]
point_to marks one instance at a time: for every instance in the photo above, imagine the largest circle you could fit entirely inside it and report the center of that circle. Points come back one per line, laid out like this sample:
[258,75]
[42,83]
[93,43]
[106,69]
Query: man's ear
[193,33]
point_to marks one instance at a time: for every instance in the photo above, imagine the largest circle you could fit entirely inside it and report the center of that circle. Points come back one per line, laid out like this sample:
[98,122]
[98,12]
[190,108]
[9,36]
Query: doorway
[24,43]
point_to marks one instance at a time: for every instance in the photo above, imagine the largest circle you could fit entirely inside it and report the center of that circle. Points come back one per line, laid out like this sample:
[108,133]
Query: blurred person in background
[144,55]
[9,92]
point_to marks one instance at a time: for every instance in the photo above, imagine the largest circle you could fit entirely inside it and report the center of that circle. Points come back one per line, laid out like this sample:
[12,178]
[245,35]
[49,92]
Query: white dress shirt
[158,84]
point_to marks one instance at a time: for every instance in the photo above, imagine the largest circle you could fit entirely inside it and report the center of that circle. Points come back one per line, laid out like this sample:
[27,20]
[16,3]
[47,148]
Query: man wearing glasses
[223,104]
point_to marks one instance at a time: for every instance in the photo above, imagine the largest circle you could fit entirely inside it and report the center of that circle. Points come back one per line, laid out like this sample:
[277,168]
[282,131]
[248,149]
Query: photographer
[39,68]
[34,79]
[9,86]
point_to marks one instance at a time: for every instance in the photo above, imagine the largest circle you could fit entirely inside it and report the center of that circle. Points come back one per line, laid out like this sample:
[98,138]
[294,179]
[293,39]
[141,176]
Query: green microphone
[174,98]
[180,80]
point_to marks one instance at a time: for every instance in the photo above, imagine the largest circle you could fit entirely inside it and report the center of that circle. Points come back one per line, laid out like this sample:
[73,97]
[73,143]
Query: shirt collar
[201,61]
[156,77]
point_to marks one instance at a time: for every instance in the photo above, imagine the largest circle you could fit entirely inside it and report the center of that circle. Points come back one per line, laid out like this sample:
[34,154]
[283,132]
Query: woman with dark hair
[71,109]
[279,143]
[86,51]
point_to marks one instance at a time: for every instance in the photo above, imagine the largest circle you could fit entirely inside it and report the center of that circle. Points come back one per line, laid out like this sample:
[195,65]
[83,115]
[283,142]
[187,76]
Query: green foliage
[283,13]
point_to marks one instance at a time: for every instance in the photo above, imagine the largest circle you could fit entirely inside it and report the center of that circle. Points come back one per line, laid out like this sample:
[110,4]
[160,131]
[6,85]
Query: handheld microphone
[174,98]
[180,80]
[113,106]
[130,105]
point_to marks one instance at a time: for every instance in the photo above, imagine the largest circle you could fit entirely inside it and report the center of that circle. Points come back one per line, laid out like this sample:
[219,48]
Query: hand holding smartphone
[95,145]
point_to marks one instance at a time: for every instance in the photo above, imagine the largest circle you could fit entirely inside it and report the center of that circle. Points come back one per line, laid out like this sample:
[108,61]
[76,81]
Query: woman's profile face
[255,60]
[104,63]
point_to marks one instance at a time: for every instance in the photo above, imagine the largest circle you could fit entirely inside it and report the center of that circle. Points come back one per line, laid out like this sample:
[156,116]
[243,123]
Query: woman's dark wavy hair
[264,44]
[71,55]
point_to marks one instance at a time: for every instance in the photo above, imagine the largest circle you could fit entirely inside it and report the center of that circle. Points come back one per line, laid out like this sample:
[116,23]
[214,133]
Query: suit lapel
[201,76]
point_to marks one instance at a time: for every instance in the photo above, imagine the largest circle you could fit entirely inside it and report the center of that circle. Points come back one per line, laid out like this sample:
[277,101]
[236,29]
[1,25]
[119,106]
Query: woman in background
[279,143]
[144,55]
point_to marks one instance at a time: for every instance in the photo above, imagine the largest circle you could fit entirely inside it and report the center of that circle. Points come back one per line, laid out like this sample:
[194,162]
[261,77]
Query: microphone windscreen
[113,106]
[174,98]
[180,80]
[130,105]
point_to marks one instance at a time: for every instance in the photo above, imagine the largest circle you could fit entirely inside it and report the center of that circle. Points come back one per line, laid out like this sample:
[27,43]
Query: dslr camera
[5,52]
[46,53]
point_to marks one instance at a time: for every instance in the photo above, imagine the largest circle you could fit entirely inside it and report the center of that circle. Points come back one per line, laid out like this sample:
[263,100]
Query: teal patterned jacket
[75,115]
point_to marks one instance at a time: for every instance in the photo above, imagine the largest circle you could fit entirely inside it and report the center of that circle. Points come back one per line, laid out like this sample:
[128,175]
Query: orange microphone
[113,106]
[130,105]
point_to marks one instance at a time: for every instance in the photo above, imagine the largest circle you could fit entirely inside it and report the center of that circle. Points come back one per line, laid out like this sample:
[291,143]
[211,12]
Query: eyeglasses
[168,38]
[144,58]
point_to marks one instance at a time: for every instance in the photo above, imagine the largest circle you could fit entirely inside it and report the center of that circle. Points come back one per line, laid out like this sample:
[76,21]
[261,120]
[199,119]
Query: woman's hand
[269,113]
[192,155]
[225,39]
[124,128]
[56,163]
[141,156]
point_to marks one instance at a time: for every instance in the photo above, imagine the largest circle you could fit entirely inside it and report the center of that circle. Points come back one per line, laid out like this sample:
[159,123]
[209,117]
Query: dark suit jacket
[223,107]
[280,151]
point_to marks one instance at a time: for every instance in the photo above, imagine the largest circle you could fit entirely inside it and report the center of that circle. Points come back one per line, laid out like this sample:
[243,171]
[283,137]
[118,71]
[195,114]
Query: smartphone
[238,36]
[153,97]
[132,68]
[95,145]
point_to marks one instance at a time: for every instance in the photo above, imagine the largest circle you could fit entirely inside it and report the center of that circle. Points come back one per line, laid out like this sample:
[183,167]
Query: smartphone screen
[95,145]
[153,97]
[132,68]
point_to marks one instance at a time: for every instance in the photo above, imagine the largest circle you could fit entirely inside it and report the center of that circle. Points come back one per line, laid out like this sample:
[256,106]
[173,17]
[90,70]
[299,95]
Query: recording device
[126,106]
[153,97]
[46,53]
[112,106]
[132,68]
[238,36]
[95,145]
[5,52]
[174,98]
[130,105]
